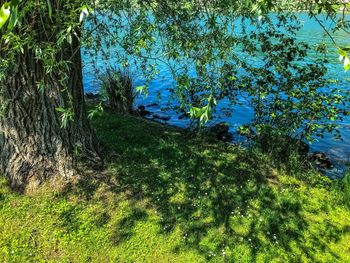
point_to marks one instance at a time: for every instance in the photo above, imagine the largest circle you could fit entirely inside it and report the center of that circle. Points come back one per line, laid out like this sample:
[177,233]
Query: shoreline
[337,172]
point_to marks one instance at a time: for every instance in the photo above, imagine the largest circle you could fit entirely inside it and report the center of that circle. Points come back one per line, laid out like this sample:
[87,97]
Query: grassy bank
[165,197]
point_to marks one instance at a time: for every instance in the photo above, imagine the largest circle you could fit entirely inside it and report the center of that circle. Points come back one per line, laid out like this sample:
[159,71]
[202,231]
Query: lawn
[164,196]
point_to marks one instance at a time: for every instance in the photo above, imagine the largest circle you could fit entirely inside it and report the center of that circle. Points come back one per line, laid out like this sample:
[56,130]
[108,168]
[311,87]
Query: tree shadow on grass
[219,195]
[124,228]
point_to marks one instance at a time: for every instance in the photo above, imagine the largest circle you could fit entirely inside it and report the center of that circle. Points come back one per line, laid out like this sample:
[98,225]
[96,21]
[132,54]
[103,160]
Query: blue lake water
[311,33]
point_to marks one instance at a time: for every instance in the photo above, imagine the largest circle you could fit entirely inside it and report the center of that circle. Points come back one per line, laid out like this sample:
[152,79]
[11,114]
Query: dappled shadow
[124,228]
[71,221]
[219,195]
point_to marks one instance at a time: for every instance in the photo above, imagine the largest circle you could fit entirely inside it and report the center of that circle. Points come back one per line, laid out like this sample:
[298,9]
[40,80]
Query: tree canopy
[215,50]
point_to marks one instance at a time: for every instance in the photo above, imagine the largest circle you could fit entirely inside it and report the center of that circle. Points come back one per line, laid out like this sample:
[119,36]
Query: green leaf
[5,12]
[49,6]
[343,56]
[342,53]
[61,109]
[96,111]
[84,13]
[346,63]
[66,116]
[41,87]
[142,90]
[13,17]
[69,39]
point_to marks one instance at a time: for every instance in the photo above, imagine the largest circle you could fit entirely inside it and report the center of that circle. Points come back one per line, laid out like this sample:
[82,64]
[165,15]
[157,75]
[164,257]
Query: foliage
[117,87]
[344,57]
[182,35]
[165,197]
[334,11]
[338,13]
[96,110]
[66,116]
[206,52]
[235,51]
[56,29]
[203,115]
[4,14]
[291,97]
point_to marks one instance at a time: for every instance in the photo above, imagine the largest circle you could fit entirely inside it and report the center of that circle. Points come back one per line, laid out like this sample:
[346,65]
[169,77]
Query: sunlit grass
[166,197]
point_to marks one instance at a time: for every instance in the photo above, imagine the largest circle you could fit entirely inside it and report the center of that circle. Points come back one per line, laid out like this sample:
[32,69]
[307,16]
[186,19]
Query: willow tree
[43,121]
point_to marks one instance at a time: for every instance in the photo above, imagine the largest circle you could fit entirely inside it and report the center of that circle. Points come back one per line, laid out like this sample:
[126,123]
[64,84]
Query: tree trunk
[34,147]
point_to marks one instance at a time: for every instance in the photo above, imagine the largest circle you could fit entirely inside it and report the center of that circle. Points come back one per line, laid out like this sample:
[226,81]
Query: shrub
[117,88]
[293,99]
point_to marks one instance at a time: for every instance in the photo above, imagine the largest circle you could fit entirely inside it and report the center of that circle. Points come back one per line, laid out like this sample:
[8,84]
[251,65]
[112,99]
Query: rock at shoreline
[226,137]
[93,98]
[219,128]
[141,108]
[141,111]
[160,117]
[221,132]
[320,160]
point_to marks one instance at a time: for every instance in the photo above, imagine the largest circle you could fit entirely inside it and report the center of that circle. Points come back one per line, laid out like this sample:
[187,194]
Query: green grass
[165,197]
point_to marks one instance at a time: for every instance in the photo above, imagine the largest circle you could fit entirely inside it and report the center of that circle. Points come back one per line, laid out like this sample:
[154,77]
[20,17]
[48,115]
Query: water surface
[311,33]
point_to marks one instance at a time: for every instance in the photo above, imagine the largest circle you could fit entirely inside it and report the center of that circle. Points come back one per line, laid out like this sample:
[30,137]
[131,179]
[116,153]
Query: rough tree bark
[34,147]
